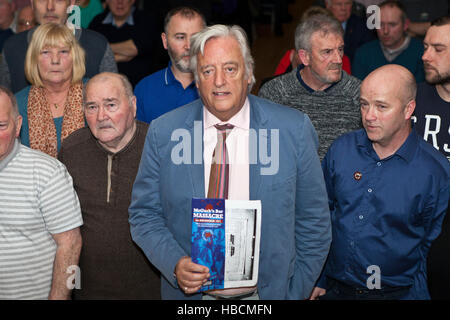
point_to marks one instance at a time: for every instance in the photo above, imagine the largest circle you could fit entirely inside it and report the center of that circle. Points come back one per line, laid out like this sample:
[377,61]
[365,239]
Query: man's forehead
[321,39]
[382,86]
[390,13]
[178,22]
[107,88]
[438,34]
[223,43]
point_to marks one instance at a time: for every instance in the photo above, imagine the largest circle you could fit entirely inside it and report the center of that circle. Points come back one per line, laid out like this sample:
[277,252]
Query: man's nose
[426,54]
[101,114]
[337,56]
[219,78]
[370,114]
[51,5]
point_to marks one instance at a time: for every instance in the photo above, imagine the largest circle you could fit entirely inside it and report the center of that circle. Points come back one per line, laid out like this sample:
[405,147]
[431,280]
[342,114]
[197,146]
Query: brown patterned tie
[219,175]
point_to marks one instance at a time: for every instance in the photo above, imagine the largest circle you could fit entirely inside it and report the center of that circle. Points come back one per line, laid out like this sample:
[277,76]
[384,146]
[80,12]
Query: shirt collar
[109,19]
[303,83]
[406,151]
[391,54]
[11,155]
[409,147]
[169,77]
[240,119]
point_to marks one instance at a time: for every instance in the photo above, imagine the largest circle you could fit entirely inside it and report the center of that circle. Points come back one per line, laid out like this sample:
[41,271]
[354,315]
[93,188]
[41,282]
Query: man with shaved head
[388,191]
[103,160]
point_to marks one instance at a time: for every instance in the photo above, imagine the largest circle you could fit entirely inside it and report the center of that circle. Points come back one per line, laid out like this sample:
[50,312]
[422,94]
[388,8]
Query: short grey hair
[199,40]
[316,23]
[12,98]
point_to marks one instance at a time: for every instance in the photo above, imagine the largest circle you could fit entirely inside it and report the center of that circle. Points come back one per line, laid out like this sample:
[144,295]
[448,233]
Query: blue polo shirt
[384,212]
[160,92]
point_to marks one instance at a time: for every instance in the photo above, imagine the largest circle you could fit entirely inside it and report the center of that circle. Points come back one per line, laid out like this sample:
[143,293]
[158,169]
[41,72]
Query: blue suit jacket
[295,230]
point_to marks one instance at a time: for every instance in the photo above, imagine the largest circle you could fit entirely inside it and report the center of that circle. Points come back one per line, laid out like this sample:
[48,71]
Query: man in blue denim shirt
[388,191]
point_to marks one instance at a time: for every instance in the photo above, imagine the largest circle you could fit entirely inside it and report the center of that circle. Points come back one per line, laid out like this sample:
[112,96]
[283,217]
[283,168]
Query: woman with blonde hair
[52,106]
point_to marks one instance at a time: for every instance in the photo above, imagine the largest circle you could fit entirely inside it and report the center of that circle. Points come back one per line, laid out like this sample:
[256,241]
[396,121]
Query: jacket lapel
[257,121]
[194,123]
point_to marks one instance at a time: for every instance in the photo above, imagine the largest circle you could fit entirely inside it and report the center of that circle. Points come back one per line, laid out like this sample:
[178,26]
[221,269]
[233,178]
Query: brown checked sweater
[333,112]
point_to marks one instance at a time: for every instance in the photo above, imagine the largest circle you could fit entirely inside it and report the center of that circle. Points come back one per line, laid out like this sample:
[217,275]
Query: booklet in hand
[226,239]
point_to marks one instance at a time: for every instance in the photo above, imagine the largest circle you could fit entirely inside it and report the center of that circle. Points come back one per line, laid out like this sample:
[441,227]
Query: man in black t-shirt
[432,122]
[433,97]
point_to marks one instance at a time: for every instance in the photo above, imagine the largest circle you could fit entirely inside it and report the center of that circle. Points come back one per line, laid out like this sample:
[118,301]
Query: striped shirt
[37,200]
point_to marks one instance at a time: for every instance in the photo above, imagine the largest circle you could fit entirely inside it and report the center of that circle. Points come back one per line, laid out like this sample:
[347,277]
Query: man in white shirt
[295,227]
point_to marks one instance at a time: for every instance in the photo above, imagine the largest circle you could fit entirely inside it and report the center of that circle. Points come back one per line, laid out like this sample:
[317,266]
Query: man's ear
[303,55]
[409,109]
[18,125]
[164,40]
[406,25]
[134,105]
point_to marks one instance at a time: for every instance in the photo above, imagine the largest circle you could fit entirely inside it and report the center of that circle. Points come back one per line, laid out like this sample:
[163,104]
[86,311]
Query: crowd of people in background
[86,156]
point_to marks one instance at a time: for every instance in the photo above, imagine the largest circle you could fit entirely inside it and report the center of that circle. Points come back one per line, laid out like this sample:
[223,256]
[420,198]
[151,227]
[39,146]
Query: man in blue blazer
[295,230]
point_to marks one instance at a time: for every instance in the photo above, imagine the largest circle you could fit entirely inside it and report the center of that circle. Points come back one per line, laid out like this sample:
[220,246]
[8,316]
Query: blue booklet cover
[208,239]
